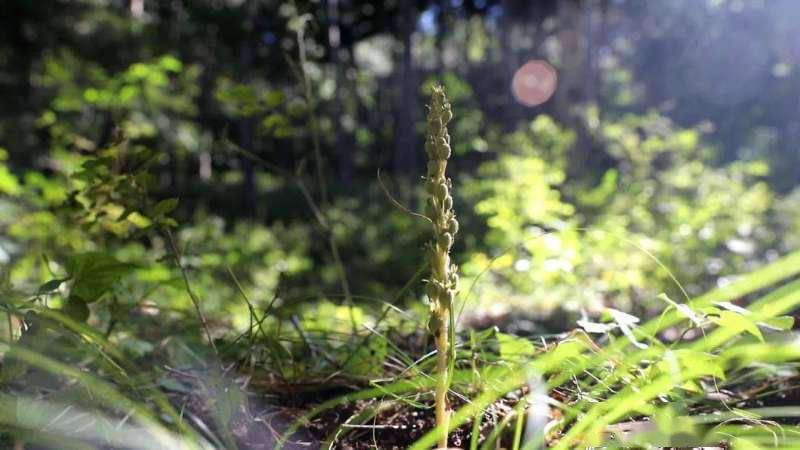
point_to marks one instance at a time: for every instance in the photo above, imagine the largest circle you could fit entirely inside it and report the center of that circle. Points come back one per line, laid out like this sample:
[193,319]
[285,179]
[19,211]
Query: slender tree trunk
[602,42]
[249,196]
[571,95]
[509,116]
[405,139]
[345,142]
[245,124]
[590,63]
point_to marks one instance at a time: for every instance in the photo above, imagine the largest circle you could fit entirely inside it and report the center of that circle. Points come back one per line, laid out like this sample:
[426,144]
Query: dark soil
[397,425]
[259,420]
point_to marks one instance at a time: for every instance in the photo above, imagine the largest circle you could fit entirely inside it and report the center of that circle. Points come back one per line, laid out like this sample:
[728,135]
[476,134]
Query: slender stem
[319,215]
[318,163]
[195,300]
[443,283]
[312,117]
[443,382]
[250,308]
[519,425]
[10,326]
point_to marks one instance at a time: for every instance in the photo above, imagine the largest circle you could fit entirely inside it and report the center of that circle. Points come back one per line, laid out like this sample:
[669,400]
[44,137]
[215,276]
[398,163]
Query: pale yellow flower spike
[443,283]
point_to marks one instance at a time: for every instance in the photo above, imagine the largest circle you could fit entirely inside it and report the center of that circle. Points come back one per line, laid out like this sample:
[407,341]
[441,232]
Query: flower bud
[453,278]
[441,190]
[452,226]
[430,148]
[448,114]
[444,151]
[431,292]
[447,241]
[448,203]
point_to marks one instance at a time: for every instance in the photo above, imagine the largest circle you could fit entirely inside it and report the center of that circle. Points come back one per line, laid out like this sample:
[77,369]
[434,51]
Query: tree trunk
[345,141]
[405,138]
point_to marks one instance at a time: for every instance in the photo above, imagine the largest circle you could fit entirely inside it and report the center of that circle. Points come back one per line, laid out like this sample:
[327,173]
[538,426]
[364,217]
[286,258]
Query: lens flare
[534,82]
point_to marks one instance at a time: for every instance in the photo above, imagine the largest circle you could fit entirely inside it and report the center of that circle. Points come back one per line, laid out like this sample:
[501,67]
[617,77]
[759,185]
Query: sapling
[443,283]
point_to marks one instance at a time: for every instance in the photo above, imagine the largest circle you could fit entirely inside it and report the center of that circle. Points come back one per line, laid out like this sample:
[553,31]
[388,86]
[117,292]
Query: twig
[396,203]
[296,324]
[319,215]
[310,108]
[250,307]
[258,322]
[195,300]
[375,426]
[388,308]
[302,75]
[10,326]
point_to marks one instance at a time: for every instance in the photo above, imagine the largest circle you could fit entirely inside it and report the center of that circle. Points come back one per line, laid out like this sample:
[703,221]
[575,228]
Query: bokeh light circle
[534,82]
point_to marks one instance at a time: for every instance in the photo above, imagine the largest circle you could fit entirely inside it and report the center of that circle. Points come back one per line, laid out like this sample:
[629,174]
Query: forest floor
[265,407]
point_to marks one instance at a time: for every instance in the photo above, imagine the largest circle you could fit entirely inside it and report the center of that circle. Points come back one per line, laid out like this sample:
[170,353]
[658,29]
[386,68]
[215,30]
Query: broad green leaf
[781,269]
[692,386]
[369,358]
[514,348]
[780,323]
[8,182]
[165,206]
[50,286]
[169,222]
[273,98]
[700,363]
[76,309]
[738,323]
[95,273]
[174,385]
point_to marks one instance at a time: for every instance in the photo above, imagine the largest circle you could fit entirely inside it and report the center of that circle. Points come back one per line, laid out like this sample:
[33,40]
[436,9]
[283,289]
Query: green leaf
[165,206]
[274,98]
[168,222]
[125,214]
[738,323]
[781,269]
[780,323]
[94,274]
[174,385]
[137,348]
[369,358]
[700,363]
[50,286]
[514,348]
[76,309]
[8,182]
